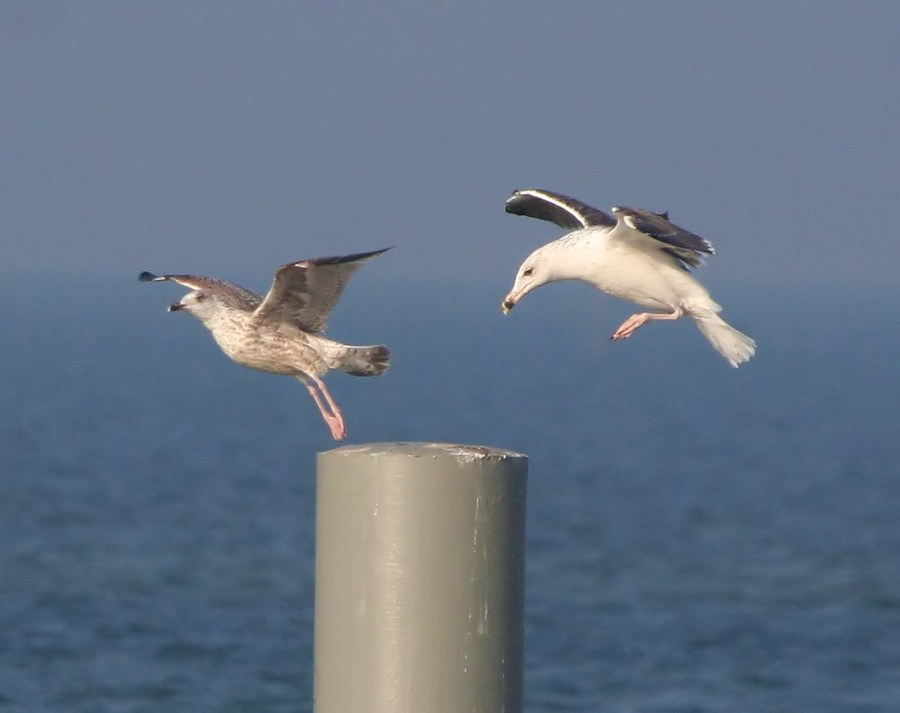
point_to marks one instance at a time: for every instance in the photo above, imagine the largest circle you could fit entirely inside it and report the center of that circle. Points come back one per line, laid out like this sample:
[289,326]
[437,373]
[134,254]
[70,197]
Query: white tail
[729,342]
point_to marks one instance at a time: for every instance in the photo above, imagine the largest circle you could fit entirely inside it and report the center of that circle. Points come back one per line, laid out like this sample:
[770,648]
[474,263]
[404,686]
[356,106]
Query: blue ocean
[699,539]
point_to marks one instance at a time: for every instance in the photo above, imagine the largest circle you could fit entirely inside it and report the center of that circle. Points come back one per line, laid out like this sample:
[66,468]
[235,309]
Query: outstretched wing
[305,292]
[557,208]
[678,242]
[232,295]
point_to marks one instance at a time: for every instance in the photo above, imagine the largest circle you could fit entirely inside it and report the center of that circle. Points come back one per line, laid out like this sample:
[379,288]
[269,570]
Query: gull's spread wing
[305,292]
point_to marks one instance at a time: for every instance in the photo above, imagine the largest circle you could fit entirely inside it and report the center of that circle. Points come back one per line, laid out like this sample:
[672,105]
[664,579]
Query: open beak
[507,304]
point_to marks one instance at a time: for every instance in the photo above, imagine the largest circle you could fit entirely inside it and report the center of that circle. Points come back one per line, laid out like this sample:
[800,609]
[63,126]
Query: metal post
[419,579]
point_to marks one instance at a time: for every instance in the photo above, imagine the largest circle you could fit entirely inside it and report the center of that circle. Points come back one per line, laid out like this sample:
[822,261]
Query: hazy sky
[228,137]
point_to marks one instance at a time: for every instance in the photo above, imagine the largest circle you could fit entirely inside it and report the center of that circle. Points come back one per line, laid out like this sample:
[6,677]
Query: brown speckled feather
[305,292]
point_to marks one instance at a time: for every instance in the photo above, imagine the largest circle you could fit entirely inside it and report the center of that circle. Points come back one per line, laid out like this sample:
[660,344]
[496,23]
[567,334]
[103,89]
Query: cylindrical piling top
[419,579]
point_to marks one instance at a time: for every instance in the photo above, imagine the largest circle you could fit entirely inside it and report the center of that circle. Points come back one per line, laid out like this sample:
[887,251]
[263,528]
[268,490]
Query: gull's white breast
[638,272]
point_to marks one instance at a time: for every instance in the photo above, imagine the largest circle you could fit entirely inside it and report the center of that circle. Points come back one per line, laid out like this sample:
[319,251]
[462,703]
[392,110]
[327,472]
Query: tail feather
[729,342]
[365,361]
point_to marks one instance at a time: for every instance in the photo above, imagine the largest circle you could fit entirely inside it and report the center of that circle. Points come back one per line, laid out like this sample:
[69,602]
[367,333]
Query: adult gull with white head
[638,256]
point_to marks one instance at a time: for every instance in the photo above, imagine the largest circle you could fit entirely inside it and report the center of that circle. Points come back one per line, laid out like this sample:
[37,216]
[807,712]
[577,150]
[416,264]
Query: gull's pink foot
[336,424]
[330,412]
[636,321]
[629,327]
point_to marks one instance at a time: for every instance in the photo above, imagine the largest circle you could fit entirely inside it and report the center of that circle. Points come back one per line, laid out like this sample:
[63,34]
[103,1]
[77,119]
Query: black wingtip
[366,256]
[147,277]
[341,259]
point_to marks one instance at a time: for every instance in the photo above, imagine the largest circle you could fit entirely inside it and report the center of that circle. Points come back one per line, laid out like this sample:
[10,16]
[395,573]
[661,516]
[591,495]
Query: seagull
[638,256]
[282,333]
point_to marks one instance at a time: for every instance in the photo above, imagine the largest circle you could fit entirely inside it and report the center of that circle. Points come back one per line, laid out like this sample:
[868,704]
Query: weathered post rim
[435,449]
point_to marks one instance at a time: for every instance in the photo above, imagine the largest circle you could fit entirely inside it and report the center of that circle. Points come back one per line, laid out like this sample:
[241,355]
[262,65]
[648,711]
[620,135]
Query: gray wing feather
[233,295]
[305,292]
[678,242]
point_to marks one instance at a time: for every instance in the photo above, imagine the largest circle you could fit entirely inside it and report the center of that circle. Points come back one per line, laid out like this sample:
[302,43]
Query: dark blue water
[699,538]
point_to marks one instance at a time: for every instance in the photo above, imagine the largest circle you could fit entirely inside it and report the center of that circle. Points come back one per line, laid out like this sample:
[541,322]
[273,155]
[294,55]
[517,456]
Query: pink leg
[636,321]
[331,413]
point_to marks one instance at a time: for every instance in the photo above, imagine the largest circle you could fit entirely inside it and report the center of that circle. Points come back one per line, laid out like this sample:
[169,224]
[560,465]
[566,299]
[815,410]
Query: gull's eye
[200,296]
[528,272]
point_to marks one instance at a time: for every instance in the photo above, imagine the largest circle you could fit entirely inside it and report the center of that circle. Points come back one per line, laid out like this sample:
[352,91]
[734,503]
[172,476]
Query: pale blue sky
[228,137]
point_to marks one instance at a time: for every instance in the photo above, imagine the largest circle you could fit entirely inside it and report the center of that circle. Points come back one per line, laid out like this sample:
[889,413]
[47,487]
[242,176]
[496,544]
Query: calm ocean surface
[699,538]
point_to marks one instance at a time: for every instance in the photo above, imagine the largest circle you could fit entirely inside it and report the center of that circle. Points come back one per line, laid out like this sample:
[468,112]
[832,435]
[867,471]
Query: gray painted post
[419,579]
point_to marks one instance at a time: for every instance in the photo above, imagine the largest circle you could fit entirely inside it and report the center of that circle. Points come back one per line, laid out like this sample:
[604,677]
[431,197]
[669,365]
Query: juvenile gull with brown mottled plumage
[281,333]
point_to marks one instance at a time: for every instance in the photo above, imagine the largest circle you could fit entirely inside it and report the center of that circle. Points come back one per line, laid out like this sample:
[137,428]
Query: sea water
[699,538]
